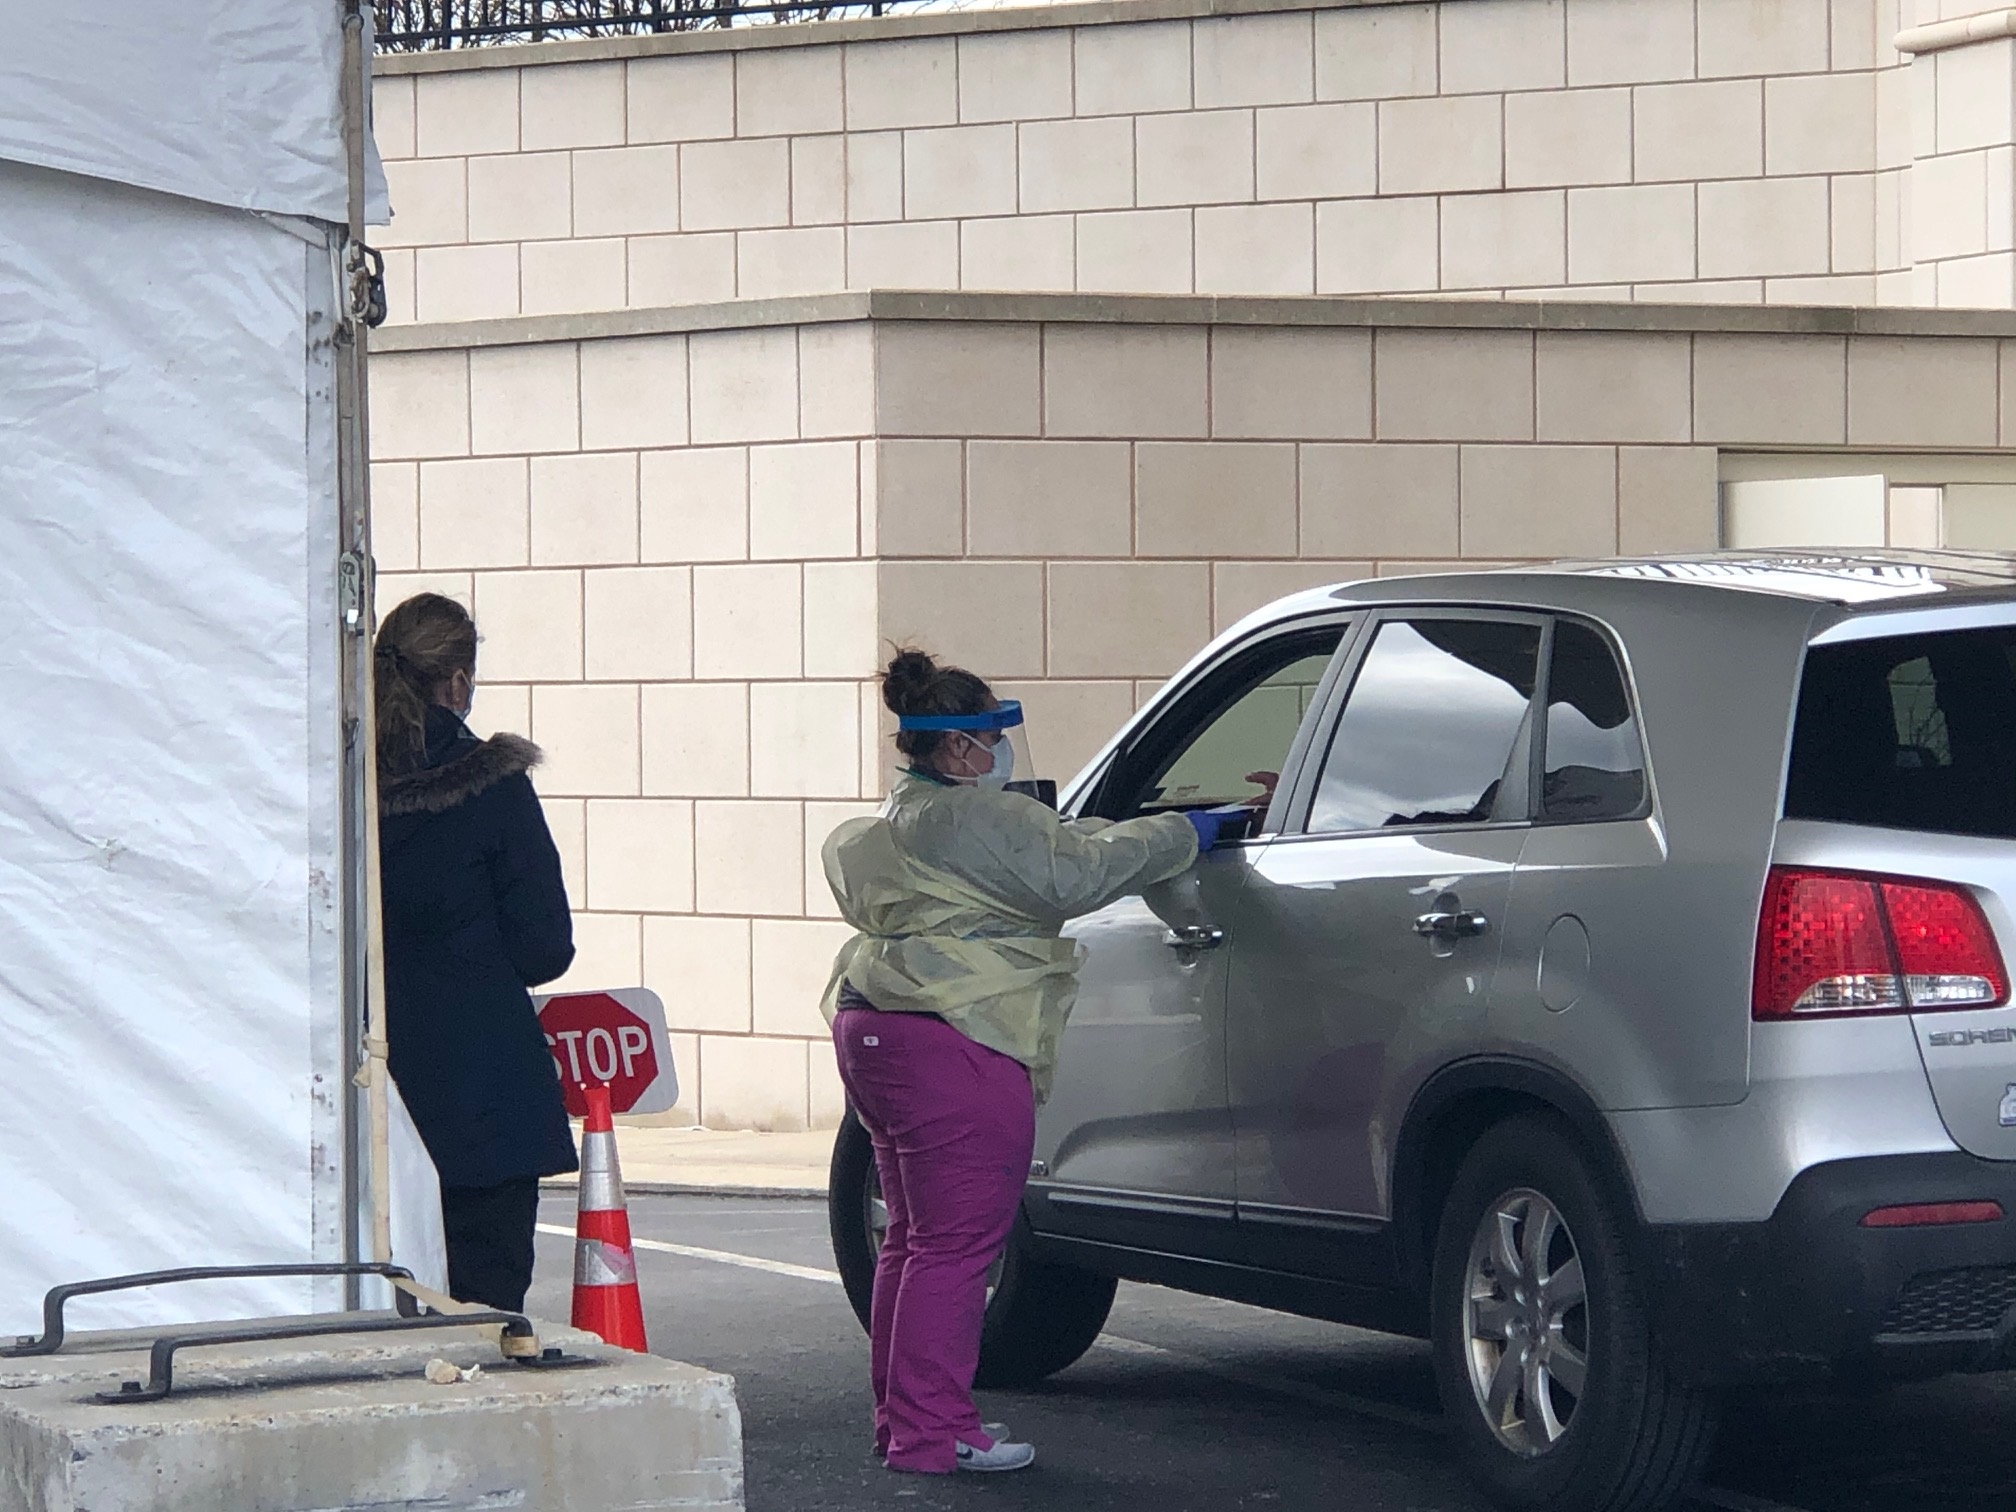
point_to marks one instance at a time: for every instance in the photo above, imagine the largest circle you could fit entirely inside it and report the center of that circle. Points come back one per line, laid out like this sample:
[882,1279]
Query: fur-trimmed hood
[479,766]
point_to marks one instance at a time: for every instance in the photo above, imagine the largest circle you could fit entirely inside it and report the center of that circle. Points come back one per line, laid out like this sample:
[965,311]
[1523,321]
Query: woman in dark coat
[475,913]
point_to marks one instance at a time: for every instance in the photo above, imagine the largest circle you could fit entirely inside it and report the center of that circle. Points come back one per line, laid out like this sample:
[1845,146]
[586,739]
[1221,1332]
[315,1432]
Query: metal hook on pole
[364,284]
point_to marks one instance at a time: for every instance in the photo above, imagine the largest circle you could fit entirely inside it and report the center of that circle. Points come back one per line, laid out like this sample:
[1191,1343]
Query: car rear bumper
[1810,1292]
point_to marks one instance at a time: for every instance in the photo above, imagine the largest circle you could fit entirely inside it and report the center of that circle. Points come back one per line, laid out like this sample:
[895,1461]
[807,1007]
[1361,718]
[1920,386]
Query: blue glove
[1208,823]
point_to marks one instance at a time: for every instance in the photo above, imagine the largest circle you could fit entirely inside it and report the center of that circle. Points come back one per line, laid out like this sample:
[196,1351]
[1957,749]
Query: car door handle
[1464,924]
[1194,937]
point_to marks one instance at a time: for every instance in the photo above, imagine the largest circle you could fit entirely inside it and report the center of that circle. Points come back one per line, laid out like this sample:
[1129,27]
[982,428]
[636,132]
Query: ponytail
[421,645]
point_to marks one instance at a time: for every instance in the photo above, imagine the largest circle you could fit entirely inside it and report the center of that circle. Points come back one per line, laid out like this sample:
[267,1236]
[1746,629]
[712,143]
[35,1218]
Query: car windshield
[1909,732]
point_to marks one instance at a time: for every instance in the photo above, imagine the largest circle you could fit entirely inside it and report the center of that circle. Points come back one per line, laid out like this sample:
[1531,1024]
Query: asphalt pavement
[1192,1405]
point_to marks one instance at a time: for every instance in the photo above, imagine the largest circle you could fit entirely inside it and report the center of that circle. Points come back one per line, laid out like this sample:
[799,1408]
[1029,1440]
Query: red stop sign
[597,1041]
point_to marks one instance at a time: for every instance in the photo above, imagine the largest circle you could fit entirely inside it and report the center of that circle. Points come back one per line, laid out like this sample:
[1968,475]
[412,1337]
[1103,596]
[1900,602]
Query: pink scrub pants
[954,1125]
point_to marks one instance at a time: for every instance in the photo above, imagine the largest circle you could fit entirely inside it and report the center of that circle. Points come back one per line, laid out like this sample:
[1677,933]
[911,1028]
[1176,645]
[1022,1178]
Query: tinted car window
[1430,725]
[1595,764]
[1909,732]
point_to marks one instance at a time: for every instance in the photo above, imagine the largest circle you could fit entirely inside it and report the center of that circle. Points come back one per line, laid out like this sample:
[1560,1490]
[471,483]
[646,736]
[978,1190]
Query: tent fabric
[172,890]
[419,1235]
[170,800]
[232,102]
[169,935]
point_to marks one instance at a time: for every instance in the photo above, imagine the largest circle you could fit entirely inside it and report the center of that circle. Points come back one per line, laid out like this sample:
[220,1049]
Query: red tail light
[1835,943]
[1932,1214]
[1948,956]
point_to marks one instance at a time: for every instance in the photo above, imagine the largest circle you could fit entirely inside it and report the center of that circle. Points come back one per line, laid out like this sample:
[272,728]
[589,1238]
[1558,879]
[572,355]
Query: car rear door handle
[1464,924]
[1194,937]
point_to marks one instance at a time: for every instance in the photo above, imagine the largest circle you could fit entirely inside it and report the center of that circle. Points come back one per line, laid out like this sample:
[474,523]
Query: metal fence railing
[434,25]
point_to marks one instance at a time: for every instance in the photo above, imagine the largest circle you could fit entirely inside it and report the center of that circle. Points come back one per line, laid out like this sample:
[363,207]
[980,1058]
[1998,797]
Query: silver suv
[1612,991]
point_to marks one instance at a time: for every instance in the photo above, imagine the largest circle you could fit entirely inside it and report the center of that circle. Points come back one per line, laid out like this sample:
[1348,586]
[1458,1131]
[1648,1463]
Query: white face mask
[1002,772]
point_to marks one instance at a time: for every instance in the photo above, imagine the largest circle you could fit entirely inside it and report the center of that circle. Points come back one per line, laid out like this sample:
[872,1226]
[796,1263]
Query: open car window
[1226,741]
[1431,726]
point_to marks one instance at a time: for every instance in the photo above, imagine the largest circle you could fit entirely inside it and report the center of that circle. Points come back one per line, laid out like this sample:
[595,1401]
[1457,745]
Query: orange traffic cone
[605,1270]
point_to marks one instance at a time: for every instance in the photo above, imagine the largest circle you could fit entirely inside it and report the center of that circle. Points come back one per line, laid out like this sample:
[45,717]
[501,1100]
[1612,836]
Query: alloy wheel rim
[1526,1322]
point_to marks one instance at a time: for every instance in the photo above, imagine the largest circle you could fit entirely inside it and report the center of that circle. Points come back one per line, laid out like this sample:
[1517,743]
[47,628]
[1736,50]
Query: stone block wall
[686,537]
[1725,150]
[692,486]
[662,540]
[1963,210]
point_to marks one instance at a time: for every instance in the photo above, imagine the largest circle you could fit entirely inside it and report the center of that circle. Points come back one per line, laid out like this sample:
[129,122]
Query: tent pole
[368,1142]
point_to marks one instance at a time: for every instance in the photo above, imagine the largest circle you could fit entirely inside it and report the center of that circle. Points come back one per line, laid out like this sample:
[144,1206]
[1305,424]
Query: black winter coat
[475,913]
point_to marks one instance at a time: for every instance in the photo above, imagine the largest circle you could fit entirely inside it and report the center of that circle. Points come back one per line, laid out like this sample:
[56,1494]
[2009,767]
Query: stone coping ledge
[1191,309]
[1012,18]
[1959,31]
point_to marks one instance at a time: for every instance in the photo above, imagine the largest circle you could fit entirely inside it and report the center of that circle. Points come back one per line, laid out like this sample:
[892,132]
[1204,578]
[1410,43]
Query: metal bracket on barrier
[50,1340]
[515,1329]
[417,1307]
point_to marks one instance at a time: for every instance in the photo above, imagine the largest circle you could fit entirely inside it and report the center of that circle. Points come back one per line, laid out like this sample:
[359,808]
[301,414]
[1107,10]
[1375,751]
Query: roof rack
[1852,576]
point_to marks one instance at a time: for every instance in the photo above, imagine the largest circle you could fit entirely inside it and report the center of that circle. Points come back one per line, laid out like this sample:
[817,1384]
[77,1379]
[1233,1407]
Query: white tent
[180,866]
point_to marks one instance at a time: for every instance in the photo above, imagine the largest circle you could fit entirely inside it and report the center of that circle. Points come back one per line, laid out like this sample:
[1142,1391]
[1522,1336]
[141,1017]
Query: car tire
[1525,1205]
[849,1181]
[1041,1316]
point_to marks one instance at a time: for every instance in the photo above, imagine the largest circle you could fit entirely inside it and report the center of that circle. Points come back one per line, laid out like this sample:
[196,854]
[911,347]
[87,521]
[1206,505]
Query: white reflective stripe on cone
[597,1263]
[601,1182]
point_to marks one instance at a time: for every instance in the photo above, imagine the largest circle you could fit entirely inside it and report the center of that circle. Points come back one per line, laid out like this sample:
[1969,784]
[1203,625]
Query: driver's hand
[1268,781]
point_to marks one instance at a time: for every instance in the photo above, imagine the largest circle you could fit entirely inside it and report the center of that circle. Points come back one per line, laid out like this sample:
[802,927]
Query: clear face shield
[988,749]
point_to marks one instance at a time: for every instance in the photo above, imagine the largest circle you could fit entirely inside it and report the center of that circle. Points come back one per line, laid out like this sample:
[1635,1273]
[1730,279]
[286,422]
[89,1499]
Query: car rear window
[1909,732]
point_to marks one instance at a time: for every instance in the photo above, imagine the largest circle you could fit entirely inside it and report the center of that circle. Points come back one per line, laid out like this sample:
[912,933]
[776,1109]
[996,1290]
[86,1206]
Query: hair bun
[910,672]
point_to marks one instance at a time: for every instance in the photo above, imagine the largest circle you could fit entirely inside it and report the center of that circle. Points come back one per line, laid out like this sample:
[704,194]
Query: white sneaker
[1003,1456]
[995,1431]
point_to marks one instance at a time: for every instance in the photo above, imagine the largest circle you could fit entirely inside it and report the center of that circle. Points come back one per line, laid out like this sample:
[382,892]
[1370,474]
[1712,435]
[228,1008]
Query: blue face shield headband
[1011,754]
[1005,715]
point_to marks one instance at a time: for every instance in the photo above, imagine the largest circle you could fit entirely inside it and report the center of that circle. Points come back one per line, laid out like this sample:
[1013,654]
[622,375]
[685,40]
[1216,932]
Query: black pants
[490,1241]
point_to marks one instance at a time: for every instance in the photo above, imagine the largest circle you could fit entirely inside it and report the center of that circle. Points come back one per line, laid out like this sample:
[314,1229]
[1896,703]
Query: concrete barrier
[336,1424]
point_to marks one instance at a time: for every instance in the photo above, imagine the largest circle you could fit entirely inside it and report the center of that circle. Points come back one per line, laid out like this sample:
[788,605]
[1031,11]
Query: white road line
[1407,1417]
[720,1257]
